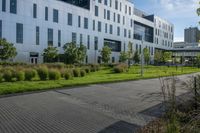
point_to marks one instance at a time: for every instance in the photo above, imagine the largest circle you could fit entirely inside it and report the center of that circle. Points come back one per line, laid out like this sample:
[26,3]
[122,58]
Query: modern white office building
[33,25]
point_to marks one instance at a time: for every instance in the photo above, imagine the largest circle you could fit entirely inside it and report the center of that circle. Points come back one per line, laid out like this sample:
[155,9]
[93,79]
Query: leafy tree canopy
[74,54]
[136,57]
[105,54]
[7,50]
[123,56]
[50,54]
[146,55]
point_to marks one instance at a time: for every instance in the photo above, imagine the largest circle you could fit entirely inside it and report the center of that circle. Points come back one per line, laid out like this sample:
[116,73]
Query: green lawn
[103,76]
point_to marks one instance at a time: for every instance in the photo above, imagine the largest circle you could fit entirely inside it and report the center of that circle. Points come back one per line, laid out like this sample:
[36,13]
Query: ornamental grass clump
[20,75]
[67,75]
[43,73]
[54,74]
[120,68]
[82,73]
[30,74]
[8,75]
[76,72]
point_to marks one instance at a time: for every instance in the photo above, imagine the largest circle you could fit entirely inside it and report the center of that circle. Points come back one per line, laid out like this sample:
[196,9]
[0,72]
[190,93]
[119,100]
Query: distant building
[192,35]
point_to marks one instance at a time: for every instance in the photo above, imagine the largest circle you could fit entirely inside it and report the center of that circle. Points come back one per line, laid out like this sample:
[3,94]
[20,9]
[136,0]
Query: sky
[182,13]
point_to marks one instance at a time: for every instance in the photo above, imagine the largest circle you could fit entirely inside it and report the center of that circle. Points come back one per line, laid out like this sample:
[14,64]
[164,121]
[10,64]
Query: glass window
[113,59]
[104,13]
[106,2]
[55,15]
[95,43]
[106,28]
[50,37]
[110,3]
[123,20]
[129,34]
[93,24]
[88,42]
[59,38]
[118,31]
[37,35]
[79,21]
[99,1]
[111,29]
[99,26]
[108,15]
[129,10]
[116,4]
[74,37]
[0,29]
[126,9]
[125,34]
[70,19]
[86,23]
[114,45]
[3,5]
[114,17]
[96,11]
[81,39]
[46,13]
[13,6]
[118,18]
[34,11]
[19,33]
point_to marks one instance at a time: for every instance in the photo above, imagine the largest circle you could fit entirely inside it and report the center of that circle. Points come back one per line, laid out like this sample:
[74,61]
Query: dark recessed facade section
[80,3]
[113,44]
[143,31]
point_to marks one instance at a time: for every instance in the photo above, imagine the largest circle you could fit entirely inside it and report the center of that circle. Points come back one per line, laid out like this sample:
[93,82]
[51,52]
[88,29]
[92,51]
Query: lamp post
[142,67]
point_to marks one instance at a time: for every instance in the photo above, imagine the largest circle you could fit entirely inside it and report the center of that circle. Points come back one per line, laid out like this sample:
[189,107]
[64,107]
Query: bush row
[44,72]
[120,68]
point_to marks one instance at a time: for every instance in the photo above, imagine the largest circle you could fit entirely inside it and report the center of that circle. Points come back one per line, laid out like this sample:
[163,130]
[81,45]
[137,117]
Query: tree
[123,56]
[146,55]
[50,54]
[198,60]
[198,11]
[167,56]
[158,57]
[136,57]
[74,54]
[7,50]
[105,54]
[130,53]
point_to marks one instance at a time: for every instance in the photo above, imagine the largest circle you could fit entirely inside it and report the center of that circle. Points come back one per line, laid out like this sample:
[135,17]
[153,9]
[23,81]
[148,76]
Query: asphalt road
[104,108]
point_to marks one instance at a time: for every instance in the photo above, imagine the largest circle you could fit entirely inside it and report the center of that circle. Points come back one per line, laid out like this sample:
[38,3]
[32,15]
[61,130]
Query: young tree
[105,54]
[167,56]
[146,55]
[74,54]
[7,50]
[130,53]
[136,57]
[123,56]
[82,53]
[158,57]
[50,54]
[198,11]
[198,61]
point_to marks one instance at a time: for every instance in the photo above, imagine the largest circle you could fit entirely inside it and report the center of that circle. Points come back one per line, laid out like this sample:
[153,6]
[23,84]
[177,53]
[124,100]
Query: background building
[33,25]
[191,35]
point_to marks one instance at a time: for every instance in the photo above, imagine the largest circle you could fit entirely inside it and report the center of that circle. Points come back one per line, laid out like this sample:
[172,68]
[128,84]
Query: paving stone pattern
[104,108]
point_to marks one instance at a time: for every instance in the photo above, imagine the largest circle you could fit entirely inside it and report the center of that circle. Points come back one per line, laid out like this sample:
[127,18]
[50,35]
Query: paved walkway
[104,108]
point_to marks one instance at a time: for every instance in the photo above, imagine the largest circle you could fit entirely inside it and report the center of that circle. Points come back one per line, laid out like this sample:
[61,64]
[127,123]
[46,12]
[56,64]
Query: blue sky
[182,13]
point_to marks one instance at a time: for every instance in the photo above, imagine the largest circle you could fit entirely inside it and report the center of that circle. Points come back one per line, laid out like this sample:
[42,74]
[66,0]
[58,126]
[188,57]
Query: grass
[103,76]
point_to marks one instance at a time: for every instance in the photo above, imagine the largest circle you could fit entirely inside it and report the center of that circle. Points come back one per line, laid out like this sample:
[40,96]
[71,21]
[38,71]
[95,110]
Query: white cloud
[176,8]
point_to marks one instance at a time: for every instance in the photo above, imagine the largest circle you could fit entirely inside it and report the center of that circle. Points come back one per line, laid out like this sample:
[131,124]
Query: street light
[142,71]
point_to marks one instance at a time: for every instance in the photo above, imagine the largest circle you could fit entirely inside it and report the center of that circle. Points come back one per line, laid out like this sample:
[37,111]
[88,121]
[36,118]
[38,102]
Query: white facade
[26,9]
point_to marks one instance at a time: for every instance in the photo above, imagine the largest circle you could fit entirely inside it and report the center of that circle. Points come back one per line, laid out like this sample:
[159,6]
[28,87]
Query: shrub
[42,73]
[76,73]
[57,65]
[1,77]
[30,74]
[87,70]
[20,75]
[8,75]
[95,67]
[54,74]
[82,73]
[120,68]
[67,75]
